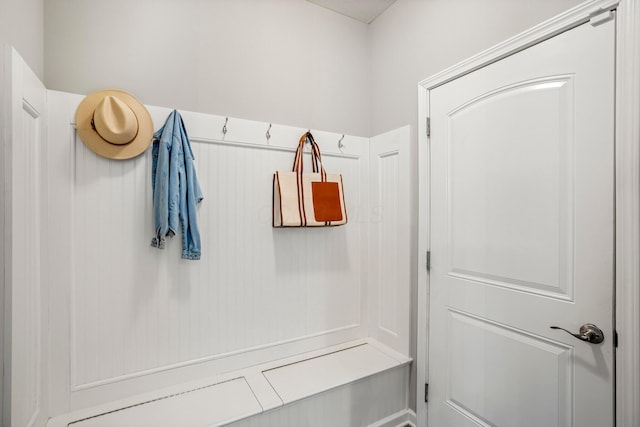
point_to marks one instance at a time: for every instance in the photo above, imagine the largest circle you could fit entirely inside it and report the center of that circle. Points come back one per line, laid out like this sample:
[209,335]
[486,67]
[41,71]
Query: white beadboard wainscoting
[23,120]
[126,321]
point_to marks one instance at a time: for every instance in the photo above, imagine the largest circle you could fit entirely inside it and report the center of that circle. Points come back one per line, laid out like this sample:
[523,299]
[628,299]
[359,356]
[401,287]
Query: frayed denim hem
[158,242]
[191,255]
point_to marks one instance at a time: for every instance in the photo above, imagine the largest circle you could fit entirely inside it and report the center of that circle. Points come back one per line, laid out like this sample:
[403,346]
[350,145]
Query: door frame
[627,189]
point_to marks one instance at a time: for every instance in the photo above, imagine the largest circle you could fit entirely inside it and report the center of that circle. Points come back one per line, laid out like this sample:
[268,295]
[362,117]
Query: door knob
[588,332]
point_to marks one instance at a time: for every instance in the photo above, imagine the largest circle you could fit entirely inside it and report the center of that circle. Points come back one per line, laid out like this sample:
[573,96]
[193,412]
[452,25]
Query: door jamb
[627,205]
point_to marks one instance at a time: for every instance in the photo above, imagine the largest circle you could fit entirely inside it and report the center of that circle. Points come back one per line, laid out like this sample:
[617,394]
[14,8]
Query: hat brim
[102,147]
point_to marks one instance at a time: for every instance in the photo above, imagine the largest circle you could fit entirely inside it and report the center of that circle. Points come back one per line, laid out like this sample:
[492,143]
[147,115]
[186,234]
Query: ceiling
[362,10]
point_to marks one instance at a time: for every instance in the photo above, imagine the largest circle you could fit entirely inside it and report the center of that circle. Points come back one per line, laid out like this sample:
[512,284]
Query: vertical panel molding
[25,340]
[389,231]
[5,234]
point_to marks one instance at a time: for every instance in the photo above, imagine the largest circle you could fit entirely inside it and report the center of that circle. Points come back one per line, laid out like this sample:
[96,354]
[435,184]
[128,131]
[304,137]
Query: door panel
[522,197]
[500,374]
[523,244]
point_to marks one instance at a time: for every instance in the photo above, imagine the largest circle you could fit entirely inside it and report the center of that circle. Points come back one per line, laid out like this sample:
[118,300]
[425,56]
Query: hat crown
[115,121]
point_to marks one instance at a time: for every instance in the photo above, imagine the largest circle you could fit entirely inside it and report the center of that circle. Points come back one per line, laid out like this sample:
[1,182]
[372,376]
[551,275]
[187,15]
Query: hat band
[93,126]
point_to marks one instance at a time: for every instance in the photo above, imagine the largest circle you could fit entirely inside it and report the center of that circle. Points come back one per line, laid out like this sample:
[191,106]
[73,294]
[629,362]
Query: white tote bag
[314,199]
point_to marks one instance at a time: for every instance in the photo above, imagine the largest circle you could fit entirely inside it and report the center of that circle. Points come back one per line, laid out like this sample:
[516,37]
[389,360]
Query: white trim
[244,144]
[627,189]
[628,213]
[5,234]
[399,419]
[424,197]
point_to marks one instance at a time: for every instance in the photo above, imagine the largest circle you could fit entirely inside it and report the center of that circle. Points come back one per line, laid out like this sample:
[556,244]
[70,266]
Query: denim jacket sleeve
[176,190]
[190,197]
[160,183]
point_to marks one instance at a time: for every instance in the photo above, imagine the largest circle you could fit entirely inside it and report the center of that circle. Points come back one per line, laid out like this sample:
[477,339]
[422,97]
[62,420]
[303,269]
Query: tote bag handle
[316,157]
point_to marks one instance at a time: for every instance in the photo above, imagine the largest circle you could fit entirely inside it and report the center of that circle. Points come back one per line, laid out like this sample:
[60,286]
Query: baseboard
[400,419]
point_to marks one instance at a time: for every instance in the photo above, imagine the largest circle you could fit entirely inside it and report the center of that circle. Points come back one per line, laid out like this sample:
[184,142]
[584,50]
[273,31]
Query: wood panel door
[522,237]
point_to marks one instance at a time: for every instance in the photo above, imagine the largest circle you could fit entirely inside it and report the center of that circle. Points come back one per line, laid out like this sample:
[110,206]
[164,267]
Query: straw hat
[114,124]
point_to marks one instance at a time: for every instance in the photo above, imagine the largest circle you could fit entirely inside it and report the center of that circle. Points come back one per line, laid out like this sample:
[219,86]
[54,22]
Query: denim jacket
[176,190]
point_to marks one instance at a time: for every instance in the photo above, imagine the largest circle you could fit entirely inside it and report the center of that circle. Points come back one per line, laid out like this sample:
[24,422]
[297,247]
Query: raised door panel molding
[505,351]
[493,242]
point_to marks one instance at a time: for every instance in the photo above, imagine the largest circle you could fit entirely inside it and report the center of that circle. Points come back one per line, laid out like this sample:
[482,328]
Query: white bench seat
[217,404]
[242,394]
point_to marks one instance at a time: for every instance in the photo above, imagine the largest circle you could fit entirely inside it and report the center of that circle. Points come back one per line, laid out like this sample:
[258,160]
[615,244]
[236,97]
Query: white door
[522,238]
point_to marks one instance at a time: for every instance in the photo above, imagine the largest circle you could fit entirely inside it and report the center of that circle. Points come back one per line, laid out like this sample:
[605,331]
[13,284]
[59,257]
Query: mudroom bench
[239,395]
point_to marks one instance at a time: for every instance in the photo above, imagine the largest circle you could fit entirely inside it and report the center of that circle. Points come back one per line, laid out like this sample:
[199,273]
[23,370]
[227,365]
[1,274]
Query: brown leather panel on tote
[326,201]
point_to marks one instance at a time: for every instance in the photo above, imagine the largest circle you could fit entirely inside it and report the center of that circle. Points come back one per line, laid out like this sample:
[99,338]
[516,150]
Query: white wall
[282,61]
[21,26]
[415,39]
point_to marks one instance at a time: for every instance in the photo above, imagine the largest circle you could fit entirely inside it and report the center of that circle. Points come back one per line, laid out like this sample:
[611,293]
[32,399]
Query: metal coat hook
[224,128]
[268,134]
[340,144]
